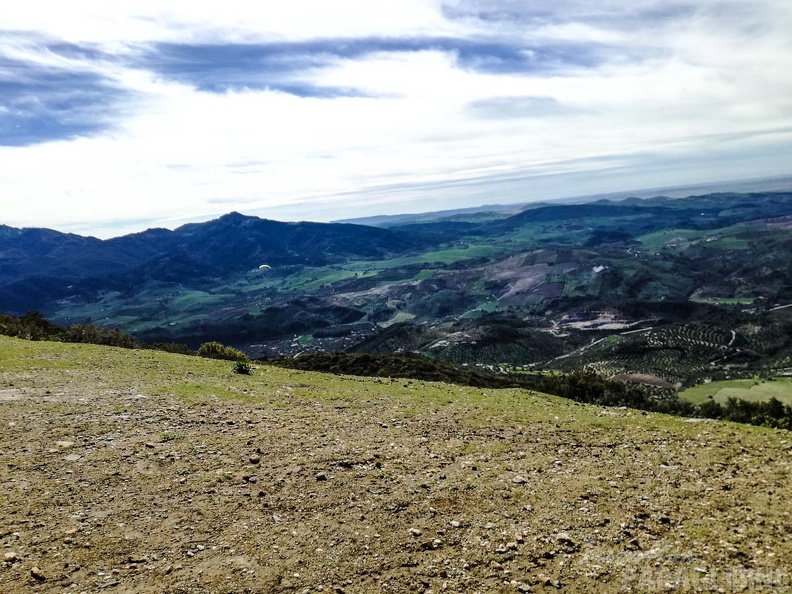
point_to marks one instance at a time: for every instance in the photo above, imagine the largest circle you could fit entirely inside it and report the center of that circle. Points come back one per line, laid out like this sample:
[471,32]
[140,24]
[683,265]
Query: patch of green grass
[398,317]
[756,390]
[446,256]
[722,300]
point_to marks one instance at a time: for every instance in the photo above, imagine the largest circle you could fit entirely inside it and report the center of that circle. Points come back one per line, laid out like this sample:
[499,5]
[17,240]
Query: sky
[120,116]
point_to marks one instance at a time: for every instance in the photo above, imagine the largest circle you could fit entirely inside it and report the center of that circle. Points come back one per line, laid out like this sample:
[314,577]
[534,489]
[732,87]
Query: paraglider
[265,267]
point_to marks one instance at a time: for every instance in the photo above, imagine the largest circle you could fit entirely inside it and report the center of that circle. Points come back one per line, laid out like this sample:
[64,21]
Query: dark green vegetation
[215,350]
[34,326]
[667,292]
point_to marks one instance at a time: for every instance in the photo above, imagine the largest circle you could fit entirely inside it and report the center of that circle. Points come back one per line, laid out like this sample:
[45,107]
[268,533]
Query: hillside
[139,471]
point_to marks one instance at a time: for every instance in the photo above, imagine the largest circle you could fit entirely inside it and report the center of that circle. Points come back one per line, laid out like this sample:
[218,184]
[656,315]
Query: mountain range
[660,286]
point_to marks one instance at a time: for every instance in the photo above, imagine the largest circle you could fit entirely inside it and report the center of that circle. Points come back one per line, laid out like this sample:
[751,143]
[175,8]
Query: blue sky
[115,117]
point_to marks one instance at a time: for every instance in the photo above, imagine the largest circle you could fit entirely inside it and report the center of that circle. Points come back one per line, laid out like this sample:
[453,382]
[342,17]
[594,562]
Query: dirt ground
[129,471]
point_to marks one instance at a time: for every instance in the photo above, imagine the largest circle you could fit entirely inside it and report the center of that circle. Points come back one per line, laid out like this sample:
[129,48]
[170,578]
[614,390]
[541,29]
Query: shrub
[215,350]
[243,368]
[87,333]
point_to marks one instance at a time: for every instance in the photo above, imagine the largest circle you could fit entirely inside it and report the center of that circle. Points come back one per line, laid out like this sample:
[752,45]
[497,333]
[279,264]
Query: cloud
[156,112]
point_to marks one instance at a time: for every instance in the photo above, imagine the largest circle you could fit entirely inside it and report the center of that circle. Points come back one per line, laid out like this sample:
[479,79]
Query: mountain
[40,266]
[682,289]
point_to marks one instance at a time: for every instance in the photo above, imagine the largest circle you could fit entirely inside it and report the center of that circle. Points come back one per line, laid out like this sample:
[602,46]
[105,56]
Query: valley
[685,289]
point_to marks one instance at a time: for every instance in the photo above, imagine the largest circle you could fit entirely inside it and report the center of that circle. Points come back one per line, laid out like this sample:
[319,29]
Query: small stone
[564,538]
[519,480]
[455,524]
[72,457]
[415,532]
[64,444]
[512,546]
[320,476]
[254,458]
[37,574]
[10,557]
[700,570]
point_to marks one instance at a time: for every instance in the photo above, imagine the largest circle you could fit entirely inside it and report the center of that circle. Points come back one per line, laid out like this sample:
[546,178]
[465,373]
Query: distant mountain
[40,266]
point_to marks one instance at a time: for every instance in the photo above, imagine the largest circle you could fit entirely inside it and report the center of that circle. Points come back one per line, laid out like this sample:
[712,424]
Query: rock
[455,524]
[37,574]
[64,444]
[519,480]
[254,458]
[150,445]
[10,557]
[415,532]
[72,457]
[564,538]
[320,476]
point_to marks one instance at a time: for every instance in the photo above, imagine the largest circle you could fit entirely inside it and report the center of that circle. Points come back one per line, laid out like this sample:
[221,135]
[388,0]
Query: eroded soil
[114,480]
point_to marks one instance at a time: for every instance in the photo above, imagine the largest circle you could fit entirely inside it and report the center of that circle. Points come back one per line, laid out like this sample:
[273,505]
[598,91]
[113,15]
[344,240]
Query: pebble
[10,557]
[415,532]
[37,574]
[72,457]
[519,480]
[320,476]
[64,444]
[455,524]
[255,459]
[564,538]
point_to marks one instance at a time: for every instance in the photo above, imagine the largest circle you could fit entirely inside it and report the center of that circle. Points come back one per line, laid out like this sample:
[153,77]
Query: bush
[243,368]
[87,333]
[169,347]
[215,350]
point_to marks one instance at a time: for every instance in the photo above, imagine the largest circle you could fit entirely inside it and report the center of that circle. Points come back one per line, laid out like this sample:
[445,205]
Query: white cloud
[175,152]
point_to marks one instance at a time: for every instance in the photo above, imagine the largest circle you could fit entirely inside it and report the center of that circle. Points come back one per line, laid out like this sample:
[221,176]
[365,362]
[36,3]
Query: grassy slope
[165,499]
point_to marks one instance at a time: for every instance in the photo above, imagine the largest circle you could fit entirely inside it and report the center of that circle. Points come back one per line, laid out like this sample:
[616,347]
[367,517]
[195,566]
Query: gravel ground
[133,471]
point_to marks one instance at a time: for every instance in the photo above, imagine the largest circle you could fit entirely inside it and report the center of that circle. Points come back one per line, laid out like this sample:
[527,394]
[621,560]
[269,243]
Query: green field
[755,390]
